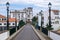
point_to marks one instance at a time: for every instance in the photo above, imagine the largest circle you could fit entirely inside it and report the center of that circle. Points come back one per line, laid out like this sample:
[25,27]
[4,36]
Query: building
[12,22]
[55,19]
[24,14]
[16,15]
[3,22]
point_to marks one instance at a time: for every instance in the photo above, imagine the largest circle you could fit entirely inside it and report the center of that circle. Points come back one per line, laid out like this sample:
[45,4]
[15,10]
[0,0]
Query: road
[26,34]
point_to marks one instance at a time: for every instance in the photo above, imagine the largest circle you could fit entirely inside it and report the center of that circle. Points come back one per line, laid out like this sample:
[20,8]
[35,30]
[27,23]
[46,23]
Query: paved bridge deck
[26,34]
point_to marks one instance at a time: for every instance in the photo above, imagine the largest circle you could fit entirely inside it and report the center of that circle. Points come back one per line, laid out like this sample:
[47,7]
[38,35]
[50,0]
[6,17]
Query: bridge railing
[13,30]
[13,34]
[41,35]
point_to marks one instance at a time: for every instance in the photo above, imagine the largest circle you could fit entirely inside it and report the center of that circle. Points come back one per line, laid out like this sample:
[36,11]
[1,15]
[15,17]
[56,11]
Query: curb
[39,35]
[13,35]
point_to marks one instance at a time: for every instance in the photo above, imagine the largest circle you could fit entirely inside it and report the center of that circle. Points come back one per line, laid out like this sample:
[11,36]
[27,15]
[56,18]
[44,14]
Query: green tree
[34,20]
[21,23]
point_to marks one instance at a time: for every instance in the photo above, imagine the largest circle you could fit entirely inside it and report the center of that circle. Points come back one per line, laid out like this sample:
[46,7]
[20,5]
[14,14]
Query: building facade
[3,23]
[16,15]
[55,19]
[24,14]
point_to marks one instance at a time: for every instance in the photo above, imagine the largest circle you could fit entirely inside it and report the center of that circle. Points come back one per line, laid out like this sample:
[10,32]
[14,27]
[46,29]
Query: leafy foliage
[48,27]
[34,20]
[13,30]
[21,23]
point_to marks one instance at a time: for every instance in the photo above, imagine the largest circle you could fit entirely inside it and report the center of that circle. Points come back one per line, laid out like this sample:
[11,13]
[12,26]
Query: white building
[55,19]
[3,22]
[24,14]
[16,15]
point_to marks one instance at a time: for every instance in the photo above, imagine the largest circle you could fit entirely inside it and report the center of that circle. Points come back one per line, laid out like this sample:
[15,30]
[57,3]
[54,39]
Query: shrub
[48,27]
[21,23]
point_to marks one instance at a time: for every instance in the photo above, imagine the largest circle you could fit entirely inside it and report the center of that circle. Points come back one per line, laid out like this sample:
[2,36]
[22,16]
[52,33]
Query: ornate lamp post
[7,5]
[40,13]
[49,5]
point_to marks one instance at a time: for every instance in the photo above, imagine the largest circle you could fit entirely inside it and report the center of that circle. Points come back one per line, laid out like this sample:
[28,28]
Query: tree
[34,20]
[21,23]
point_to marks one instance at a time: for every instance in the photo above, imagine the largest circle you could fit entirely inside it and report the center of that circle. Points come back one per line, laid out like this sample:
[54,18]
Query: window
[4,23]
[1,28]
[19,17]
[56,13]
[5,28]
[57,17]
[56,22]
[0,18]
[28,15]
[4,19]
[13,23]
[0,23]
[9,23]
[13,15]
[52,22]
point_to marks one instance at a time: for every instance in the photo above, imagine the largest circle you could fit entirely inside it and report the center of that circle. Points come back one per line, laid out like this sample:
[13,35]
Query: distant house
[3,22]
[12,22]
[55,18]
[24,14]
[55,35]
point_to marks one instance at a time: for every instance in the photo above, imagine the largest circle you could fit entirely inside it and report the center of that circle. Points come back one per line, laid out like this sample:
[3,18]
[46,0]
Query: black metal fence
[13,30]
[45,31]
[37,27]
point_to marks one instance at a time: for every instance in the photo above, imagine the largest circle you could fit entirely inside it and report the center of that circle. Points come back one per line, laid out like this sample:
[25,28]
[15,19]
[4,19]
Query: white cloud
[41,3]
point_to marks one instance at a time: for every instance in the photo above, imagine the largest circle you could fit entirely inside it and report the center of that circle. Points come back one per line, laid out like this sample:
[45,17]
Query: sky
[37,5]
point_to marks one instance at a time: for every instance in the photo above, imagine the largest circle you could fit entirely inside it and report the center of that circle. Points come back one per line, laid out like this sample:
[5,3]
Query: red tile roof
[58,31]
[1,16]
[12,19]
[55,11]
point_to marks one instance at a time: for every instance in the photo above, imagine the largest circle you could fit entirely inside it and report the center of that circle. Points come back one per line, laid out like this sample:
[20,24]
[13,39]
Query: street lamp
[7,5]
[16,19]
[49,5]
[40,13]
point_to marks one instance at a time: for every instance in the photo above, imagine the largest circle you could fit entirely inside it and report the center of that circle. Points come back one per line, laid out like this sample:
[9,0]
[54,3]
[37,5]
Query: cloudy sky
[36,4]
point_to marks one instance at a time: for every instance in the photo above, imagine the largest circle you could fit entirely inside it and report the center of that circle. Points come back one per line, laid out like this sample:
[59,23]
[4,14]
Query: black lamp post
[7,5]
[41,20]
[49,5]
[16,19]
